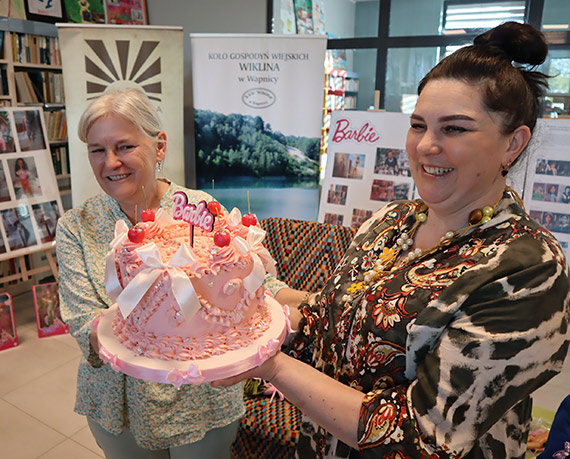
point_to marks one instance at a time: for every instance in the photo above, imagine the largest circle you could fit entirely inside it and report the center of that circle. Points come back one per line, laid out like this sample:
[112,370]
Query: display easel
[24,274]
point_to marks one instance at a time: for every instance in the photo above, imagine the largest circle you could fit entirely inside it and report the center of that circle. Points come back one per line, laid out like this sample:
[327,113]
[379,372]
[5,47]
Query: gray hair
[132,104]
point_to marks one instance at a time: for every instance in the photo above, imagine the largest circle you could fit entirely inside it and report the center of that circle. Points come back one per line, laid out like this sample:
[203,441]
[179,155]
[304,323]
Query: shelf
[63,176]
[5,97]
[36,66]
[65,192]
[57,143]
[54,106]
[3,61]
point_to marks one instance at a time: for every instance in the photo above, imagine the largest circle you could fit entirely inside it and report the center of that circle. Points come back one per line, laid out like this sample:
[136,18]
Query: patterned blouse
[447,348]
[159,415]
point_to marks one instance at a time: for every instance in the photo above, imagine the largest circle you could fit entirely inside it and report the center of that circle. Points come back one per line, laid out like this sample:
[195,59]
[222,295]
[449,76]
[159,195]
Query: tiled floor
[37,393]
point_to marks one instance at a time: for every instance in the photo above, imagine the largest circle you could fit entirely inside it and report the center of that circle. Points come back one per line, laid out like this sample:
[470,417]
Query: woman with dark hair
[446,313]
[23,173]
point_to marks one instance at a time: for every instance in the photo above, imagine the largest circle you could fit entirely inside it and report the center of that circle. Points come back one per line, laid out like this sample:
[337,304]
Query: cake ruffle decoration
[109,358]
[182,287]
[178,377]
[266,351]
[287,312]
[262,259]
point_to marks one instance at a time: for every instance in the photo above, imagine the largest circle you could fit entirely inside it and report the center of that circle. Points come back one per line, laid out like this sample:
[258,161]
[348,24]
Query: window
[468,16]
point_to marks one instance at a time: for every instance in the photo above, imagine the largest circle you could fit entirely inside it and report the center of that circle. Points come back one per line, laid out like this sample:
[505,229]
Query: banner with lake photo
[258,101]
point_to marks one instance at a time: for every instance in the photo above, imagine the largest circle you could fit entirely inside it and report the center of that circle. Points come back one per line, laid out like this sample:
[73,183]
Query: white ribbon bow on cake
[262,259]
[182,287]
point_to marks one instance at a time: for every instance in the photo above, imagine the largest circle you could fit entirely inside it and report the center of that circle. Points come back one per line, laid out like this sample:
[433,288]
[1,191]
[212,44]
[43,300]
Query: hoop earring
[159,166]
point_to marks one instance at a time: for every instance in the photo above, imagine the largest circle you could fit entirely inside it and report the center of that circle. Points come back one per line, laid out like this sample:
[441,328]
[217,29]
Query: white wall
[204,16]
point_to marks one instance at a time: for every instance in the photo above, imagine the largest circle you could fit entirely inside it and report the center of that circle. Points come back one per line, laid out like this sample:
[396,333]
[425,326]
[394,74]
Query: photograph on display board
[7,144]
[387,190]
[552,221]
[4,190]
[8,336]
[46,216]
[18,227]
[551,192]
[552,167]
[359,216]
[48,316]
[348,165]
[25,177]
[126,12]
[29,129]
[391,161]
[337,194]
[2,245]
[85,11]
[333,219]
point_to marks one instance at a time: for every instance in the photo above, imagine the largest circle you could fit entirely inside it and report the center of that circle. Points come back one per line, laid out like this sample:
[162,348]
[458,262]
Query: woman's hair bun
[517,42]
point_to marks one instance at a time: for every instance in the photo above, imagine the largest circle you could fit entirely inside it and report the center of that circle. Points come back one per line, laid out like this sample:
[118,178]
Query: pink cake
[182,302]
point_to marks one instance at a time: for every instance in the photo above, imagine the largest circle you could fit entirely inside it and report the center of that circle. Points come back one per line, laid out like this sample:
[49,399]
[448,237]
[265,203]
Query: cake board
[177,372]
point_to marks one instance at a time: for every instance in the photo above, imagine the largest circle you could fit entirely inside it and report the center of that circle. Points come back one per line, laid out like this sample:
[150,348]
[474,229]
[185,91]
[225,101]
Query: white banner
[96,58]
[258,103]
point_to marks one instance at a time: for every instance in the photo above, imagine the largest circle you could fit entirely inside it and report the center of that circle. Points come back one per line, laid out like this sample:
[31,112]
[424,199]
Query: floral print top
[159,415]
[448,347]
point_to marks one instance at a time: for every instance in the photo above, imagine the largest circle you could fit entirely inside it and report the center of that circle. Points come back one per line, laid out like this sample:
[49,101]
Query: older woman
[446,313]
[130,417]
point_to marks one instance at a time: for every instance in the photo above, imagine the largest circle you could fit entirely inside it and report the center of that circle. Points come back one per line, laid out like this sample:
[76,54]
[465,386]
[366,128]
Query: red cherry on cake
[136,234]
[222,238]
[249,220]
[147,215]
[215,207]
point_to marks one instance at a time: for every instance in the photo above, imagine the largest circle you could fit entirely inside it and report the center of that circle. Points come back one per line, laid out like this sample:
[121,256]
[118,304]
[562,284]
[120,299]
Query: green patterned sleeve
[79,303]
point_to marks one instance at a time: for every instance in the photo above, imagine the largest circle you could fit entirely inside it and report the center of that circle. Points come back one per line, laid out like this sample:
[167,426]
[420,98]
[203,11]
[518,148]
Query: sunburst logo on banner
[144,71]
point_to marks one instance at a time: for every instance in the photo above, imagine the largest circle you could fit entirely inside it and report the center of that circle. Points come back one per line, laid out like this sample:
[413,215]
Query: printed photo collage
[361,179]
[30,203]
[547,191]
[390,166]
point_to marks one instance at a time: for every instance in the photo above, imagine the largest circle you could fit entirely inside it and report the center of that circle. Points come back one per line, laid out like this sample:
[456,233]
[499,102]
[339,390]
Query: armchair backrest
[306,252]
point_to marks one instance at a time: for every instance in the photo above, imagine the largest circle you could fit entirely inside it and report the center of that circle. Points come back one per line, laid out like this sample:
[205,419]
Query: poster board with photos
[547,190]
[8,335]
[367,166]
[30,203]
[48,315]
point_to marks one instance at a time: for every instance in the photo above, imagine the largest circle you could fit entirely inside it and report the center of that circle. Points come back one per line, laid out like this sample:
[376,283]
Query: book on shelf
[35,49]
[4,82]
[60,159]
[56,124]
[24,89]
[34,87]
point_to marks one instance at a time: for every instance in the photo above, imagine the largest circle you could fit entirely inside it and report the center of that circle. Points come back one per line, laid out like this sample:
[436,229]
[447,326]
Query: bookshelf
[31,75]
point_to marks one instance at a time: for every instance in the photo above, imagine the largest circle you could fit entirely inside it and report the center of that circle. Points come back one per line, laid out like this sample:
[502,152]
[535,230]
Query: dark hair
[501,60]
[24,165]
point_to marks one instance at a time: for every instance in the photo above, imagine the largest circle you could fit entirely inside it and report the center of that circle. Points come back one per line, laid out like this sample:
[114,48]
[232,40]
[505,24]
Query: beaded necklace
[388,259]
